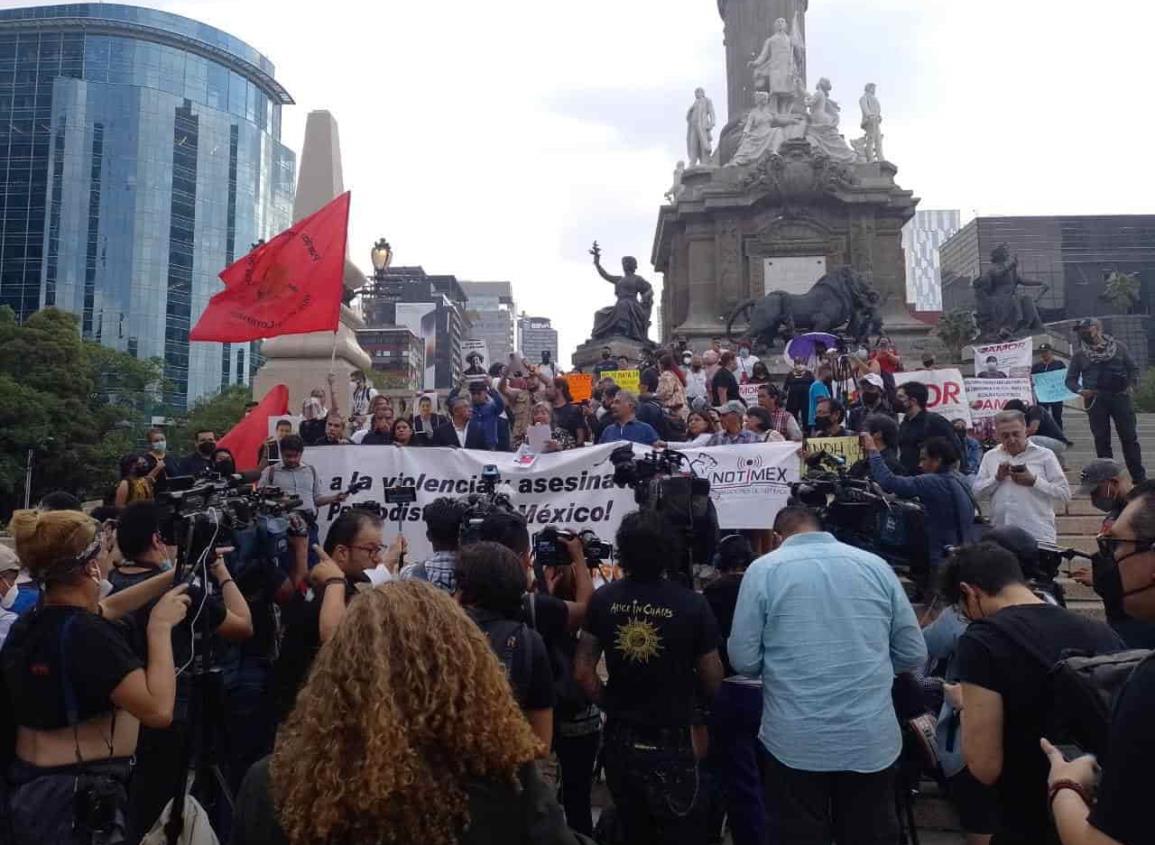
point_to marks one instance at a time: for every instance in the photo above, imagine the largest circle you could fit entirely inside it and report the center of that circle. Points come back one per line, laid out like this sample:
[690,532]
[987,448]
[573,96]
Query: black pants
[815,808]
[159,768]
[43,803]
[1117,406]
[1056,409]
[654,780]
[576,756]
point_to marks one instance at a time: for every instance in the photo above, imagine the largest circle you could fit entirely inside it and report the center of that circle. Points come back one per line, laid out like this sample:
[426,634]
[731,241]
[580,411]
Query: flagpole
[333,356]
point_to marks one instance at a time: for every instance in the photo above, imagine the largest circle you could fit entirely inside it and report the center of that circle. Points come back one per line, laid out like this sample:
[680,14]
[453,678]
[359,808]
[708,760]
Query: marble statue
[775,69]
[676,188]
[822,132]
[699,125]
[1002,313]
[871,124]
[764,130]
[630,316]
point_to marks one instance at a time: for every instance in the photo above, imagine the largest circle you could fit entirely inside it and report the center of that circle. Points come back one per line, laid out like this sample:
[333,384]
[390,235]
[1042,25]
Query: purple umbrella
[809,347]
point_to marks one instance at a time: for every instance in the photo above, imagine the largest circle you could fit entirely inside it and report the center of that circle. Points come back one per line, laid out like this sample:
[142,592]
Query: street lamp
[382,256]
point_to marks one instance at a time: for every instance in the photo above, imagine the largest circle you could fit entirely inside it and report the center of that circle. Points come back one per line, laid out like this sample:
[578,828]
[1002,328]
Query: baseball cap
[875,379]
[8,560]
[1086,323]
[1046,347]
[1096,472]
[731,407]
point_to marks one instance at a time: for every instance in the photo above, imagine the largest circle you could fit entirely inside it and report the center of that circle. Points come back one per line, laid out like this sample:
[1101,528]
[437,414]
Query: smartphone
[1017,468]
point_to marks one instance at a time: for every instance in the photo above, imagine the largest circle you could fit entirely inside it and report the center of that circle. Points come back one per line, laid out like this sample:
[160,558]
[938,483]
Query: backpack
[1084,691]
[509,639]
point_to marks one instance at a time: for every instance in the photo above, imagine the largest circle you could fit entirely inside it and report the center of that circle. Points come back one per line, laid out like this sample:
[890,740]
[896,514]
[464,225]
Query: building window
[182,228]
[95,168]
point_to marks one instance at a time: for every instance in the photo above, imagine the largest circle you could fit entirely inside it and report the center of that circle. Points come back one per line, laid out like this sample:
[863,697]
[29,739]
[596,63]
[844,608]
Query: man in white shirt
[1023,480]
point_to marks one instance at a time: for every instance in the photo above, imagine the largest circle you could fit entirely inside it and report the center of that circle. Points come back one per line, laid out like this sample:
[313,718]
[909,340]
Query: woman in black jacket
[397,738]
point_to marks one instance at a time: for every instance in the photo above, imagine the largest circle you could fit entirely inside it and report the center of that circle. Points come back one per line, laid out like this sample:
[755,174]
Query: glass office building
[140,154]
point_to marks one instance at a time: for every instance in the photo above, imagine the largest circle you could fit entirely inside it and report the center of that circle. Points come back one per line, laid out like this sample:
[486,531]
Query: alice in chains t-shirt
[652,633]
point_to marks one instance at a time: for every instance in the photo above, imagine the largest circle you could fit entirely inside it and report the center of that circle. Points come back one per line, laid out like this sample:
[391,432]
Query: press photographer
[223,611]
[75,692]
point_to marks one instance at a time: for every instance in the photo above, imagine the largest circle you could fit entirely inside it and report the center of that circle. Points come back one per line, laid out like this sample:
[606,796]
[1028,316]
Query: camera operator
[354,544]
[918,424]
[660,641]
[1122,811]
[75,692]
[297,478]
[883,430]
[159,752]
[950,508]
[556,611]
[1005,689]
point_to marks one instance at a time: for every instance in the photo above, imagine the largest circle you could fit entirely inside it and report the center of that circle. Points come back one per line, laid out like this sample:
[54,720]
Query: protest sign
[581,386]
[474,358]
[947,392]
[849,449]
[988,396]
[625,379]
[294,419]
[1009,359]
[1052,387]
[573,489]
[748,393]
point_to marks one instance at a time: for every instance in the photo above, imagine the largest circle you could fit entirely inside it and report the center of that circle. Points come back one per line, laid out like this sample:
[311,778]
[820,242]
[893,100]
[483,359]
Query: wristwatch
[1066,783]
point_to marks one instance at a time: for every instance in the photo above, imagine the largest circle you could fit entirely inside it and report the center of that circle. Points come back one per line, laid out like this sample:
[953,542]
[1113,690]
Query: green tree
[76,404]
[1145,393]
[1122,290]
[217,413]
[956,329]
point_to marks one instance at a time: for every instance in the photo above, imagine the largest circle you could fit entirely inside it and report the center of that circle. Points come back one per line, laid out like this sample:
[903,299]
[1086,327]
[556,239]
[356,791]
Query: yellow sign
[847,448]
[625,379]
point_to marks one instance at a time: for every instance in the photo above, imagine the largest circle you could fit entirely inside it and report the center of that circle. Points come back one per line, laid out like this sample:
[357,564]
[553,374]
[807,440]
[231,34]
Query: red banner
[291,285]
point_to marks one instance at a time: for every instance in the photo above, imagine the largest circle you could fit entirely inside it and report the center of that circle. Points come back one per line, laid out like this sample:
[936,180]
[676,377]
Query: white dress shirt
[1030,508]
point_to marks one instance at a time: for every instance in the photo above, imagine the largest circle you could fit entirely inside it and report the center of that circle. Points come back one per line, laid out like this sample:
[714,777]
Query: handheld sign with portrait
[1009,359]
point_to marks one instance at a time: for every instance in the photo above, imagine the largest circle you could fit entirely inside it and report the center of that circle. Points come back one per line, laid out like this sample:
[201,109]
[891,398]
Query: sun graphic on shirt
[638,640]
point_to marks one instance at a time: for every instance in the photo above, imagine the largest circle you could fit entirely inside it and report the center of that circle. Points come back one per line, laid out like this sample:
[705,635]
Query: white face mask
[744,353]
[10,596]
[105,586]
[160,446]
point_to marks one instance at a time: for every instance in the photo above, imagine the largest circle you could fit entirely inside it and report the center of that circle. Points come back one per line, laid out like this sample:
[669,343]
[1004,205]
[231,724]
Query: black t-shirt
[1047,425]
[1040,367]
[300,642]
[724,380]
[797,388]
[722,596]
[653,633]
[1123,812]
[987,657]
[214,615]
[550,618]
[521,651]
[915,431]
[569,417]
[94,654]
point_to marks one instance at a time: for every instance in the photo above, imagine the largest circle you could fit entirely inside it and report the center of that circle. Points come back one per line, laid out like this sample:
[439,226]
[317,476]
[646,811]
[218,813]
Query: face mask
[821,421]
[206,448]
[11,595]
[226,467]
[139,471]
[744,353]
[160,446]
[1109,580]
[869,397]
[105,588]
[1106,504]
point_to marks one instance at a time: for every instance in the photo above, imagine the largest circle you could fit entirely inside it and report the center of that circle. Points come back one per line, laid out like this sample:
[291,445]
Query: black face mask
[821,421]
[206,448]
[870,397]
[1108,578]
[225,466]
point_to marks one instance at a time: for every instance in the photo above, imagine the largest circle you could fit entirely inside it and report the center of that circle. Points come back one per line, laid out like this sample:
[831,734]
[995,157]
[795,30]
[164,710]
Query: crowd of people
[357,695]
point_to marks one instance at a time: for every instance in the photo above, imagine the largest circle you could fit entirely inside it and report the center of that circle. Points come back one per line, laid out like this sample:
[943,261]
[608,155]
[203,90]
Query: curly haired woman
[396,738]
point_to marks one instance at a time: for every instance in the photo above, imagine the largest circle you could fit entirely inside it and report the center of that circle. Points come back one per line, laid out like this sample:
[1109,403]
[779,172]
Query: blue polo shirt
[635,431]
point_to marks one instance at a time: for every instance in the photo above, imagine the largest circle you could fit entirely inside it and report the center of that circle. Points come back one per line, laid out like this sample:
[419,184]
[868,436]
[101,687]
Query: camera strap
[71,704]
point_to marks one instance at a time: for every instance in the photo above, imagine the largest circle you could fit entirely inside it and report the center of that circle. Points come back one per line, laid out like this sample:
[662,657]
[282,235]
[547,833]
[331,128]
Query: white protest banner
[573,489]
[748,393]
[988,396]
[1009,359]
[947,392]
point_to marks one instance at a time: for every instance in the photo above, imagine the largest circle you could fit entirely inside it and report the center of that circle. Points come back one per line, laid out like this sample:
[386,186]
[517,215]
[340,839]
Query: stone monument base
[590,352]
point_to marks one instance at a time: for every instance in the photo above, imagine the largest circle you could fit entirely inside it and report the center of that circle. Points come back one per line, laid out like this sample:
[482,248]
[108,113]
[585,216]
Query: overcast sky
[495,140]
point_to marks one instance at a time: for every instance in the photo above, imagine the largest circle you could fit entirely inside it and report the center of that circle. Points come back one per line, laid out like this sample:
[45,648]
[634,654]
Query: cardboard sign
[625,379]
[474,358]
[294,419]
[948,394]
[581,386]
[1052,386]
[847,448]
[1009,359]
[988,396]
[748,393]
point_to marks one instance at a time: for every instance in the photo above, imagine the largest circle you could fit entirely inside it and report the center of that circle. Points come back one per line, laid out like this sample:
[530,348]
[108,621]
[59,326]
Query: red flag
[291,285]
[245,438]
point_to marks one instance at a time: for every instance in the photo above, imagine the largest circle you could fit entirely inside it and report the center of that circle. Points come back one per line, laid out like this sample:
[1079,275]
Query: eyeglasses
[1108,545]
[372,551]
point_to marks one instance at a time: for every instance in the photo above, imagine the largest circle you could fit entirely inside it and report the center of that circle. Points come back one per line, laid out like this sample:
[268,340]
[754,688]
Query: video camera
[477,506]
[659,484]
[860,513]
[549,547]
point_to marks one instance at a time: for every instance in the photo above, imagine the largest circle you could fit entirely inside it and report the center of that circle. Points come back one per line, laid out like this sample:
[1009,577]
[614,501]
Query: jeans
[813,808]
[1056,446]
[653,777]
[576,756]
[735,718]
[1116,406]
[42,803]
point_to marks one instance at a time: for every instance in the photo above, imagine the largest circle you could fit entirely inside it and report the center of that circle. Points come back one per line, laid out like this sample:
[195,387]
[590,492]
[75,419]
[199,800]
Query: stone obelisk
[748,23]
[303,361]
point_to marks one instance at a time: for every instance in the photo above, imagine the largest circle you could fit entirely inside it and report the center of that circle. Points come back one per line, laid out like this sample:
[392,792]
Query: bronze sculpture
[630,316]
[1001,312]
